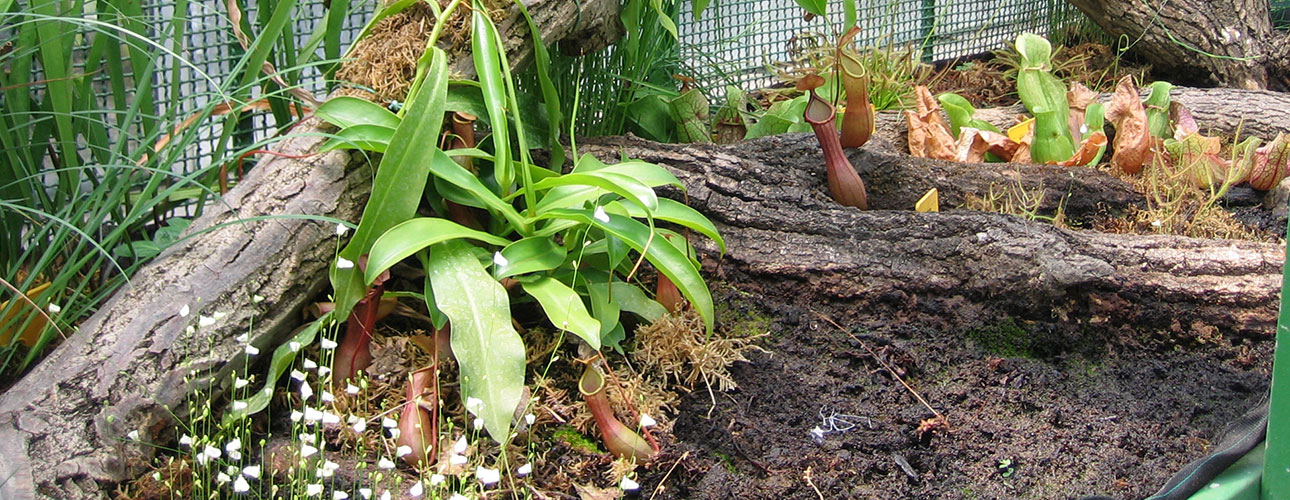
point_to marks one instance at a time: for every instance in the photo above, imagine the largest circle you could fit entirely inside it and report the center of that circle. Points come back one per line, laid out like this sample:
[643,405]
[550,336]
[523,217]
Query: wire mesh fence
[739,42]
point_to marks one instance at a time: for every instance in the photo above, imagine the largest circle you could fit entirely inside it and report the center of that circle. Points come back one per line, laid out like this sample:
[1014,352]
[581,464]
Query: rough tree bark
[1220,42]
[64,427]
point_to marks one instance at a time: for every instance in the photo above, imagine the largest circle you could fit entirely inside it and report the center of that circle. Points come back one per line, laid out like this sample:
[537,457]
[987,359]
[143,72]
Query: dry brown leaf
[999,144]
[1132,138]
[929,134]
[1184,122]
[1087,150]
[970,147]
[1022,154]
[1079,98]
[592,492]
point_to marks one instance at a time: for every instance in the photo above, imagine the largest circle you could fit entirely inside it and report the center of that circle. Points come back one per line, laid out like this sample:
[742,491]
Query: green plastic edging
[1276,467]
[1238,482]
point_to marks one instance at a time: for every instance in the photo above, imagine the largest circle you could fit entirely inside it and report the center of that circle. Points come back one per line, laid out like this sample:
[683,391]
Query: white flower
[459,496]
[385,495]
[416,490]
[323,371]
[339,495]
[524,470]
[190,330]
[257,298]
[403,451]
[183,311]
[627,484]
[186,440]
[310,364]
[218,315]
[306,392]
[351,389]
[211,452]
[600,214]
[343,263]
[359,426]
[460,446]
[365,492]
[252,350]
[307,451]
[529,418]
[326,471]
[499,260]
[328,343]
[341,229]
[243,338]
[205,321]
[251,471]
[330,418]
[308,437]
[240,383]
[647,421]
[487,476]
[54,309]
[388,423]
[474,404]
[394,433]
[478,423]
[234,445]
[327,397]
[385,463]
[298,375]
[240,485]
[223,478]
[294,346]
[239,405]
[457,460]
[235,455]
[314,490]
[437,479]
[296,415]
[133,435]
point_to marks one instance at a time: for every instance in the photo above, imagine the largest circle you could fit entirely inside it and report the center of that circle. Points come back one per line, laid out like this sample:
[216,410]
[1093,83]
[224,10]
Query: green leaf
[632,299]
[530,255]
[817,7]
[443,167]
[363,136]
[410,237]
[346,111]
[651,118]
[399,182]
[592,183]
[565,309]
[488,66]
[283,356]
[679,213]
[665,257]
[690,111]
[1035,51]
[698,6]
[550,98]
[489,352]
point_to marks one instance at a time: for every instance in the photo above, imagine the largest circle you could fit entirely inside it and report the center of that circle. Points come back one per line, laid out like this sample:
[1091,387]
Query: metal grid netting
[737,41]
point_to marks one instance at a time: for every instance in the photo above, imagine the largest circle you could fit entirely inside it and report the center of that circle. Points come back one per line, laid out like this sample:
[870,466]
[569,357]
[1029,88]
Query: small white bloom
[437,479]
[234,444]
[394,433]
[183,311]
[252,350]
[223,478]
[234,455]
[365,492]
[600,214]
[240,383]
[351,389]
[294,346]
[388,423]
[328,343]
[359,426]
[524,470]
[314,490]
[478,423]
[403,451]
[211,452]
[529,418]
[339,495]
[416,490]
[308,437]
[239,405]
[240,485]
[309,364]
[457,460]
[1157,223]
[1083,129]
[243,338]
[257,298]
[307,451]
[231,470]
[343,263]
[385,463]
[627,484]
[330,418]
[385,495]
[186,440]
[218,315]
[499,260]
[190,330]
[460,446]
[296,415]
[251,471]
[487,476]
[133,435]
[323,371]
[474,404]
[205,321]
[458,496]
[341,229]
[313,415]
[54,309]
[306,392]
[327,397]
[647,421]
[156,476]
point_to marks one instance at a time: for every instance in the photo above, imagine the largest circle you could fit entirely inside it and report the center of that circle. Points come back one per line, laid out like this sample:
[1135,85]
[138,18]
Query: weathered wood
[65,424]
[769,201]
[579,26]
[1228,43]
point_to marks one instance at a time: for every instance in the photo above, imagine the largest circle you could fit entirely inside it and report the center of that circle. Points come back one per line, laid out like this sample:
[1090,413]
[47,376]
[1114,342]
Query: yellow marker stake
[930,202]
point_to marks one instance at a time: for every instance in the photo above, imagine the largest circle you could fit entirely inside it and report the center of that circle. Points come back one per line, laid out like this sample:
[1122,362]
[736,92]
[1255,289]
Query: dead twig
[659,488]
[884,364]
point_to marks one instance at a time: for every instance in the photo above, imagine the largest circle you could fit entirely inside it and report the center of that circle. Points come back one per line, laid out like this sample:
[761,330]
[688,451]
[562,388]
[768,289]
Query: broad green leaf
[529,255]
[443,167]
[410,237]
[650,174]
[650,117]
[346,111]
[396,191]
[489,352]
[550,98]
[565,309]
[492,83]
[592,182]
[363,136]
[632,299]
[283,356]
[665,257]
[698,6]
[817,7]
[679,213]
[690,111]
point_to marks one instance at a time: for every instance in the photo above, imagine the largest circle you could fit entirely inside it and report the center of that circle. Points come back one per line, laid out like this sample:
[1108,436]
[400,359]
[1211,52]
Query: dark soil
[1113,413]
